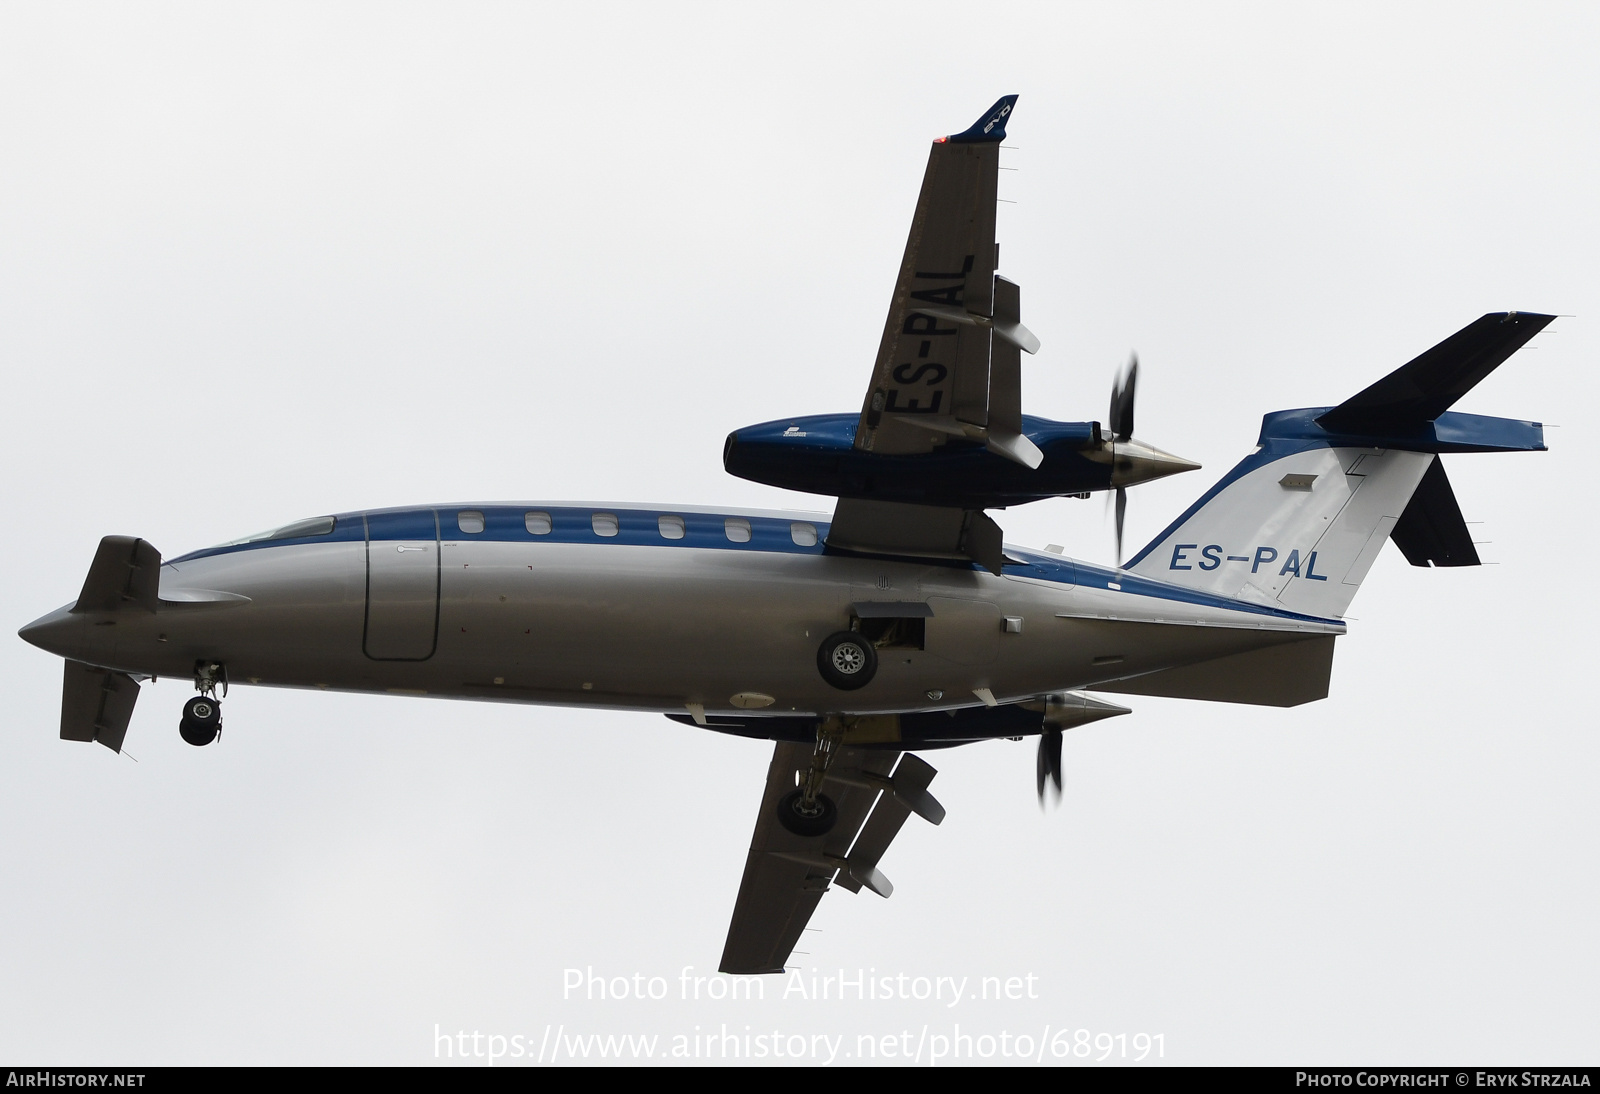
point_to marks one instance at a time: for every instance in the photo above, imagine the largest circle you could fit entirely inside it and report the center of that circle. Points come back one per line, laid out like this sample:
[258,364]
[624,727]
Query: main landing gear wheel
[202,720]
[847,660]
[815,819]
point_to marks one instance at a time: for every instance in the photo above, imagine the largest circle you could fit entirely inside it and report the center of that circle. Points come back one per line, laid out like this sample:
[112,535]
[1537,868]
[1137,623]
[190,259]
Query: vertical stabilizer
[1299,522]
[1298,529]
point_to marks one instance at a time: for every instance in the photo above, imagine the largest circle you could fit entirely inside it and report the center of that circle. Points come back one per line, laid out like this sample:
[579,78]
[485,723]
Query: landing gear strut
[805,810]
[202,716]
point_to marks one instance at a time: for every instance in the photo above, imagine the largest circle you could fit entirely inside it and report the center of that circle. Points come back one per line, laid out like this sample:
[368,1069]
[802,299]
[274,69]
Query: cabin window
[316,526]
[469,521]
[604,524]
[738,529]
[538,522]
[671,527]
[803,534]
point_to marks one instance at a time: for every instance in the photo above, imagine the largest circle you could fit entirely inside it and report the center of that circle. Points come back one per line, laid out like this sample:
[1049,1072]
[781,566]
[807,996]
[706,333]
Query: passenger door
[402,586]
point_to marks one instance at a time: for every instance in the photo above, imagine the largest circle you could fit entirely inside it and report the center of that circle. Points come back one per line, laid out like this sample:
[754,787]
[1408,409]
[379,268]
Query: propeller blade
[1048,764]
[1120,417]
[1122,513]
[1039,769]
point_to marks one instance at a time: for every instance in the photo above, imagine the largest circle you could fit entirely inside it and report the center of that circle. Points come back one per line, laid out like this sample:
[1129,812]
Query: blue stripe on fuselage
[708,531]
[569,524]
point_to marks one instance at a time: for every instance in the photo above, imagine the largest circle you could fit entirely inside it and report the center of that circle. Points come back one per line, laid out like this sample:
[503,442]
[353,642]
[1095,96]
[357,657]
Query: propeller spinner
[1133,461]
[1062,711]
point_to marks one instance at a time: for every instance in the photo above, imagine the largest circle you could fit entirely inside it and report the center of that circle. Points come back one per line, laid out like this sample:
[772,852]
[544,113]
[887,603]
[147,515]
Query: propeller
[1049,764]
[1120,419]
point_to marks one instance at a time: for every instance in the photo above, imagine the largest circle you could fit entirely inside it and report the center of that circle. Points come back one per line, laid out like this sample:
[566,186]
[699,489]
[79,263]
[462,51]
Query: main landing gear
[805,810]
[202,716]
[847,660]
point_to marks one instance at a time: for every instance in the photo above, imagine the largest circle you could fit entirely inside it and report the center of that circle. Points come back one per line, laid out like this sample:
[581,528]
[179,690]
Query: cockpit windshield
[313,526]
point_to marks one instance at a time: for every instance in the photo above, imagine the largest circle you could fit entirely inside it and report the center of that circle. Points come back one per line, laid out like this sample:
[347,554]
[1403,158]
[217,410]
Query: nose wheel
[202,715]
[202,720]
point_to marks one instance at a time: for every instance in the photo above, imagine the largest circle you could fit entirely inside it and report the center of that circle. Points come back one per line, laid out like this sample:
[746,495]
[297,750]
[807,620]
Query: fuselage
[649,609]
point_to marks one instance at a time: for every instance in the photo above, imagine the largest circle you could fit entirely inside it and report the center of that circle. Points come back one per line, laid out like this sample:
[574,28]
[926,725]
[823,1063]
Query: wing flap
[910,788]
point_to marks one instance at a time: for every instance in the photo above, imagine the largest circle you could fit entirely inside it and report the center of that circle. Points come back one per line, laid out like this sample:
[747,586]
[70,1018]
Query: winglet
[989,129]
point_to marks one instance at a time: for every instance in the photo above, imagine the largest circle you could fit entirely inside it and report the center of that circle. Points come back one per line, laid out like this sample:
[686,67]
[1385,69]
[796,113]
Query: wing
[786,875]
[927,531]
[932,378]
[949,365]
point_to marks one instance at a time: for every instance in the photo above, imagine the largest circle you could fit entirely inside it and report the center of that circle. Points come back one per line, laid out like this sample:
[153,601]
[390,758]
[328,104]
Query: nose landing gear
[202,720]
[202,716]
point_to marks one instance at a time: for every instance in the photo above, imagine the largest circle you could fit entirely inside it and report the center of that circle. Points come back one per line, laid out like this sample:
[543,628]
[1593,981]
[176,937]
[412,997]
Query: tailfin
[1299,522]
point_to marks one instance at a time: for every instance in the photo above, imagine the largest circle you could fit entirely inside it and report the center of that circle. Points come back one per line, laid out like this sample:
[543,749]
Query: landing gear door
[966,632]
[402,586]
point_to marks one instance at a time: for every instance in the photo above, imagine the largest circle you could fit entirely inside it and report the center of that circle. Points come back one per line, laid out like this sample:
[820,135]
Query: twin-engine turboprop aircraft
[902,623]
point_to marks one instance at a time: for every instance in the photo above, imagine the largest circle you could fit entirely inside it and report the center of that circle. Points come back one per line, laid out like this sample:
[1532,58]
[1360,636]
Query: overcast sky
[264,262]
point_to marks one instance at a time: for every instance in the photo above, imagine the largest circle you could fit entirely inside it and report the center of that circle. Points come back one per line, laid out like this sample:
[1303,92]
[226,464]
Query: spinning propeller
[1062,711]
[1049,763]
[1120,419]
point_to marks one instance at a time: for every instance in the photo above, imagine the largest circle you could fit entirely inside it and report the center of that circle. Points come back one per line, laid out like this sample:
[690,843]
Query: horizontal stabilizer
[96,704]
[1431,532]
[126,573]
[1426,386]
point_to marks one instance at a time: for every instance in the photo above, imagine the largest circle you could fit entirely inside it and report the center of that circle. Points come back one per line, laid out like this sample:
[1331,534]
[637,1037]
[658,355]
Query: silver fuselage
[638,621]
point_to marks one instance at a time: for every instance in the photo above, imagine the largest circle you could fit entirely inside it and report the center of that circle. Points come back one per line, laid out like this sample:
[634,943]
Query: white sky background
[263,263]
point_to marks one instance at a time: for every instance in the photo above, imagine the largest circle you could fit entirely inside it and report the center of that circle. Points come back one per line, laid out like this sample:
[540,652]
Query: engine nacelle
[817,455]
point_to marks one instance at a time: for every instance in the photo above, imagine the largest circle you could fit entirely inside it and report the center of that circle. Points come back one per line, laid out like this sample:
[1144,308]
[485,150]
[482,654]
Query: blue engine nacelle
[817,455]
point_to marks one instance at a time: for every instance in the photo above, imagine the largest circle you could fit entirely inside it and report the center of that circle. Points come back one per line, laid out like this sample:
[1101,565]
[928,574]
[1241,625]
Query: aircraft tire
[846,660]
[201,721]
[819,823]
[195,733]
